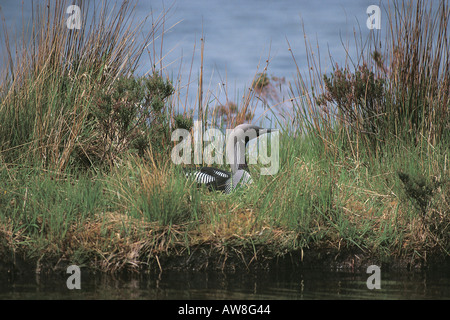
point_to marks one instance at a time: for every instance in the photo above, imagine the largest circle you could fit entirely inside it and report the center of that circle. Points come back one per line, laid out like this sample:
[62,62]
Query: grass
[86,176]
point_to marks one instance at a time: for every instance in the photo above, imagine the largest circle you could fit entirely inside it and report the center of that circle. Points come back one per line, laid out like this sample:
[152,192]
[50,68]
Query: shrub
[130,115]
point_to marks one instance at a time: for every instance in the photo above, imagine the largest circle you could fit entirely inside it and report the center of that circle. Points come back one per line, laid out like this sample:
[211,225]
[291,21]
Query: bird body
[217,179]
[220,180]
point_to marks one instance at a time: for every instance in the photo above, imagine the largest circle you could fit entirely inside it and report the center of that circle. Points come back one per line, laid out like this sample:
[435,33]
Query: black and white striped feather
[216,179]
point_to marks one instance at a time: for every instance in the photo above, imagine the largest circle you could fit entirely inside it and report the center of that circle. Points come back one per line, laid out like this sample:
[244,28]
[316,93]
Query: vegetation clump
[86,176]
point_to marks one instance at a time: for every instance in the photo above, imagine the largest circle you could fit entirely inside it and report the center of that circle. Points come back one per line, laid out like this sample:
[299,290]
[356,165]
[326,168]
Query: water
[239,37]
[275,285]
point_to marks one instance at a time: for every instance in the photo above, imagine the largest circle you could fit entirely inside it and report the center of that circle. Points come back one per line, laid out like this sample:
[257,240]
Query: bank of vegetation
[86,175]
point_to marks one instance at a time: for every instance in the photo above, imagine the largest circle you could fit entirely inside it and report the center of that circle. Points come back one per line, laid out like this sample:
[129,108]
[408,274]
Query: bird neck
[240,162]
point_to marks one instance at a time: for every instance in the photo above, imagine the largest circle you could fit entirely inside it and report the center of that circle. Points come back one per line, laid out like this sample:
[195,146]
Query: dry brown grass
[115,242]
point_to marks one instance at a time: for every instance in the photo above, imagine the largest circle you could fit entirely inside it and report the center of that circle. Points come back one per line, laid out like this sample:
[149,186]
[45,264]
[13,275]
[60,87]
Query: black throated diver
[217,179]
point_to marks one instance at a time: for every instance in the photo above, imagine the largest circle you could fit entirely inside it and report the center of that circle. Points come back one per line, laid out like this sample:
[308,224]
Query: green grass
[331,203]
[84,180]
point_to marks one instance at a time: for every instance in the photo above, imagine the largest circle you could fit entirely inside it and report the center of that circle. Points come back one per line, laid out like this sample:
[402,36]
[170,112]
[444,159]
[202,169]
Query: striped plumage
[216,179]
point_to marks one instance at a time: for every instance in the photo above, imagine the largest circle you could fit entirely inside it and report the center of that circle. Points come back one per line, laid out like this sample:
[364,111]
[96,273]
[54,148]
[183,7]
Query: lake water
[271,285]
[239,37]
[238,34]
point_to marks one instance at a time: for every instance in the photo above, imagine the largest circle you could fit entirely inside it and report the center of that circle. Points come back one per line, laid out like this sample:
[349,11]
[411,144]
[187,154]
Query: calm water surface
[239,36]
[280,284]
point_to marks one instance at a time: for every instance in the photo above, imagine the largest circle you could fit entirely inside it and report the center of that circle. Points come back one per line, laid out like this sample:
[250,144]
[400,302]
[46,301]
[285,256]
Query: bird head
[246,132]
[237,142]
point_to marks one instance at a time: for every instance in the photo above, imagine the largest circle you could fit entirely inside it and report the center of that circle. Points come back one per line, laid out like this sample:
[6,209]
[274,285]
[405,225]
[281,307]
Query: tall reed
[49,84]
[378,126]
[395,89]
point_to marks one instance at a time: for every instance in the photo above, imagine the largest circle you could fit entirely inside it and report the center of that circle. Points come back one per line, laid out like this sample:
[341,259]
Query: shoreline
[204,258]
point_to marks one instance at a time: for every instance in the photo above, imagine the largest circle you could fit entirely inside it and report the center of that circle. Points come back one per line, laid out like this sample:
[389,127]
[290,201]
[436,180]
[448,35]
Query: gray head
[237,142]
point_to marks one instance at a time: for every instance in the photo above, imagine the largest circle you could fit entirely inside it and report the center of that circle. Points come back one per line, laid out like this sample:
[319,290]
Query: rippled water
[275,285]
